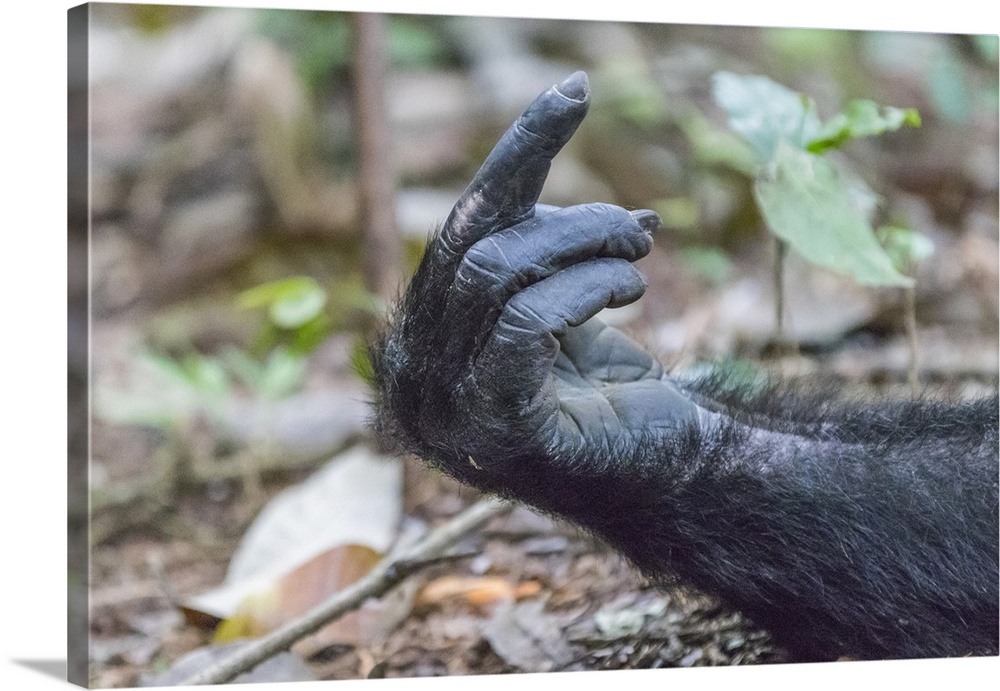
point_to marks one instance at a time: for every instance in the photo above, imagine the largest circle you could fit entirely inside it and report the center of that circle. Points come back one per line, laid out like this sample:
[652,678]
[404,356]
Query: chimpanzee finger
[501,264]
[506,188]
[517,357]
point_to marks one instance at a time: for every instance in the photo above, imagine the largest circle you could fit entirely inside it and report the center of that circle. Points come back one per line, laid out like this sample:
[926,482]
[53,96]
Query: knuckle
[480,262]
[521,313]
[604,217]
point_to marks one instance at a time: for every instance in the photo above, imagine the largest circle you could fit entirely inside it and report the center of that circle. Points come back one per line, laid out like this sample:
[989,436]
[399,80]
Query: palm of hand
[606,385]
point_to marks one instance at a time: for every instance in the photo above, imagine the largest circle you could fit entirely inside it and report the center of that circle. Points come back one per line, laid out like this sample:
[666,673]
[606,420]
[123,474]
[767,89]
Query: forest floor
[577,605]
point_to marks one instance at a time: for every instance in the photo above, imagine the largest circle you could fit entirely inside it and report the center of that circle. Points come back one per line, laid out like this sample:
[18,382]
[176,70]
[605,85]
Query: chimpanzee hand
[859,529]
[496,353]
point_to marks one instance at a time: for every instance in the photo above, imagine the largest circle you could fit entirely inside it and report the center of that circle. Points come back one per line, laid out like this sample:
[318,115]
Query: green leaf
[712,146]
[733,375]
[320,41]
[765,113]
[806,203]
[709,263]
[862,118]
[281,375]
[244,368]
[904,246]
[679,212]
[291,302]
[807,46]
[207,375]
[414,44]
[361,361]
[635,96]
[170,368]
[988,46]
[202,375]
[296,310]
[949,88]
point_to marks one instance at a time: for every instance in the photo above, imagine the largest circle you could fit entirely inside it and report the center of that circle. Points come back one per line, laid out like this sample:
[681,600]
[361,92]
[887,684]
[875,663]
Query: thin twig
[386,574]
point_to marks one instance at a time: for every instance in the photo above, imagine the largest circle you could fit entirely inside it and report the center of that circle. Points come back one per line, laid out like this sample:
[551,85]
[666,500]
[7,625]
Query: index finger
[506,188]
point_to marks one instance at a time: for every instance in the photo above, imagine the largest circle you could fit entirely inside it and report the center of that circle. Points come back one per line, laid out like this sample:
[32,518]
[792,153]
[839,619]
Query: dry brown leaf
[476,591]
[297,592]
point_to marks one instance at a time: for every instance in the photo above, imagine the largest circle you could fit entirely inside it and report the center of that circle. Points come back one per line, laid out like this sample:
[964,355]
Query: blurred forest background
[244,242]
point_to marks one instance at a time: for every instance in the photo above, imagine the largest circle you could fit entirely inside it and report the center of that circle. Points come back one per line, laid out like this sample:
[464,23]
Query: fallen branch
[386,574]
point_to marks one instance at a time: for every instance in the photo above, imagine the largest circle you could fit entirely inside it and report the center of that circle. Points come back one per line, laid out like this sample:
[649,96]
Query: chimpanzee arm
[866,530]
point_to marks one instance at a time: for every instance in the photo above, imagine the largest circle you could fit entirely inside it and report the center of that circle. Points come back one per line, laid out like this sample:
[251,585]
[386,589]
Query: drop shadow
[50,668]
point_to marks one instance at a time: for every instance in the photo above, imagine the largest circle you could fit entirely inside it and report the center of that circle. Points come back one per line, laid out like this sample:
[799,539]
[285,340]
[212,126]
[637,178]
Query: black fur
[864,529]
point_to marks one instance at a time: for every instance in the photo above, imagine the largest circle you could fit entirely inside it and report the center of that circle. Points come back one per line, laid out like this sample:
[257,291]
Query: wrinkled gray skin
[861,529]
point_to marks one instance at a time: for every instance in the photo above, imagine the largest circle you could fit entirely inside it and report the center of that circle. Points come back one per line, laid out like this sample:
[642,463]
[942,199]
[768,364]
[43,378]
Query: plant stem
[780,251]
[911,340]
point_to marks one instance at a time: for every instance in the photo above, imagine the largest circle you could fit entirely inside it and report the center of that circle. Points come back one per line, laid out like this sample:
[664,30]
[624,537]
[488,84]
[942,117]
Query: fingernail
[647,220]
[575,87]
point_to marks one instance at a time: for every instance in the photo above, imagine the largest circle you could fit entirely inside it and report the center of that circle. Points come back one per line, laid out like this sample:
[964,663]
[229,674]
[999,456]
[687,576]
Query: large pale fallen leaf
[309,542]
